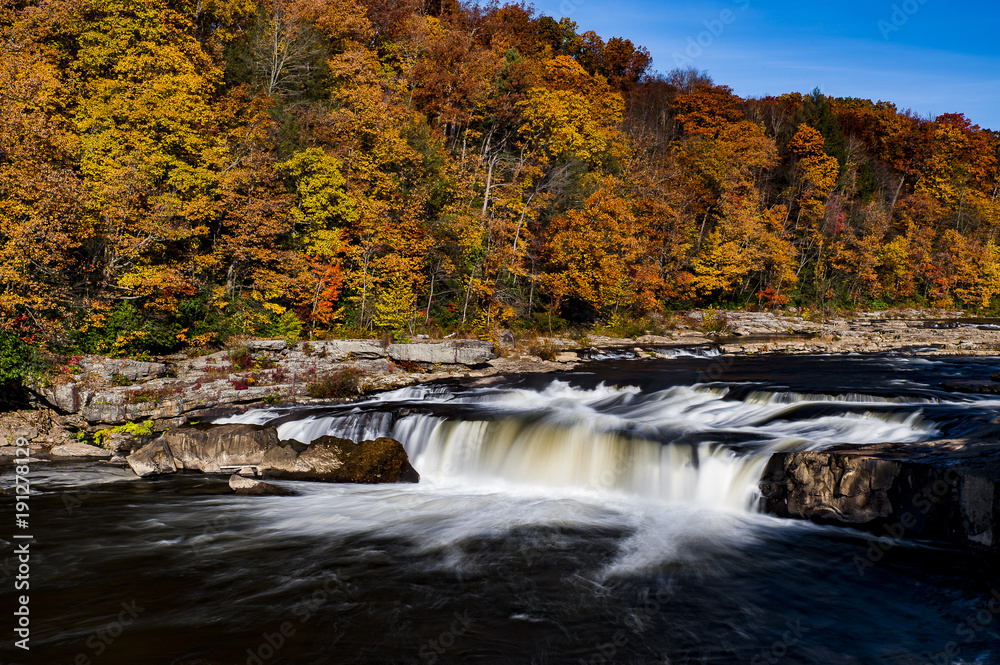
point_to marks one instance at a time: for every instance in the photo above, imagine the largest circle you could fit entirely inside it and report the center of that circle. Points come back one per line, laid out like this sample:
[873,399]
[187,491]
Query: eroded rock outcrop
[154,459]
[211,448]
[905,491]
[255,449]
[95,393]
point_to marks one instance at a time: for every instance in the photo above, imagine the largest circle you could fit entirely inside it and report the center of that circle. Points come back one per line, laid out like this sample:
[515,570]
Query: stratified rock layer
[457,352]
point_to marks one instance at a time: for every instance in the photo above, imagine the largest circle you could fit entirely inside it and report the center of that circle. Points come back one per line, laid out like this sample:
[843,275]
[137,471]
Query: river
[603,515]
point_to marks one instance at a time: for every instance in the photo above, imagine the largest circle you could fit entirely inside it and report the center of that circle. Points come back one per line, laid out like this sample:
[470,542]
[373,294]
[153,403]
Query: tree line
[174,172]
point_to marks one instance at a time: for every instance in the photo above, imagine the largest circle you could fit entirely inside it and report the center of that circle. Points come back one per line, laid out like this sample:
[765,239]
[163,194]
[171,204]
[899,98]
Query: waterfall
[695,444]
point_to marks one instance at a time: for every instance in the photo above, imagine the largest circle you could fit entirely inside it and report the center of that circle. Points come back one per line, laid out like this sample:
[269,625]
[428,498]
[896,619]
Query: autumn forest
[175,172]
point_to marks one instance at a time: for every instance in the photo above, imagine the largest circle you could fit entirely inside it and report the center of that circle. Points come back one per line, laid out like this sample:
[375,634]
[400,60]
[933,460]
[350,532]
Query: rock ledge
[255,449]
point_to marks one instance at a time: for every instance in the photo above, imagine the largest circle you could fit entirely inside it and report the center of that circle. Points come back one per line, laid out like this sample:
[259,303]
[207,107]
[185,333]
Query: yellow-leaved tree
[597,254]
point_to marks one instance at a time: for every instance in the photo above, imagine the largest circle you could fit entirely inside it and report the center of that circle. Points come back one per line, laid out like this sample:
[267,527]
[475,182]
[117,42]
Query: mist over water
[603,514]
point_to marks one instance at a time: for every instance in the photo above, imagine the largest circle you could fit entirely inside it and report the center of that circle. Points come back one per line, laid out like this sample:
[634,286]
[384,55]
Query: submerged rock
[980,387]
[250,487]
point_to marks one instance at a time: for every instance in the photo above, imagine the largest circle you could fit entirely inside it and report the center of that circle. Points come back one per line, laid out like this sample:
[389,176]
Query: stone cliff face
[895,490]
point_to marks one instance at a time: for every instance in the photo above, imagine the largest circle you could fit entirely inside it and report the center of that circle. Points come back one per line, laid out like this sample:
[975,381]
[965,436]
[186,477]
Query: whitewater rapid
[696,444]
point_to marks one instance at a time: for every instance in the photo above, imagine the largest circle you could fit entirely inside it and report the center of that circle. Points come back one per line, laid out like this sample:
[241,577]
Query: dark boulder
[978,387]
[336,460]
[256,449]
[912,491]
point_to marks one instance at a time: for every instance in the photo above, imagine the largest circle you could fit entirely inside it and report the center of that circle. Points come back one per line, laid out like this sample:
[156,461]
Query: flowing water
[607,515]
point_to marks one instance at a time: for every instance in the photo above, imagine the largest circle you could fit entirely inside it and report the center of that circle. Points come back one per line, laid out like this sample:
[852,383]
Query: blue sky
[930,56]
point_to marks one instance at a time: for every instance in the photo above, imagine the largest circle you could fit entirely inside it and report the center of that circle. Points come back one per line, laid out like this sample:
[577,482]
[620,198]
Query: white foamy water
[682,444]
[694,352]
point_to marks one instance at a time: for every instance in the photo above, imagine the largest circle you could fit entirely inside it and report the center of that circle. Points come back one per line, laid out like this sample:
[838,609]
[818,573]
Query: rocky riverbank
[108,397]
[103,398]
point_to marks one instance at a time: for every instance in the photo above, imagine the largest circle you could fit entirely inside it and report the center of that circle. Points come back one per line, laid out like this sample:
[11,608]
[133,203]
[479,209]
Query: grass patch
[716,323]
[146,395]
[240,358]
[265,362]
[120,380]
[347,382]
[137,430]
[543,349]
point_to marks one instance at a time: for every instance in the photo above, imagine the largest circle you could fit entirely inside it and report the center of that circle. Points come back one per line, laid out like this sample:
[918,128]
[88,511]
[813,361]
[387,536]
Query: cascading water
[693,444]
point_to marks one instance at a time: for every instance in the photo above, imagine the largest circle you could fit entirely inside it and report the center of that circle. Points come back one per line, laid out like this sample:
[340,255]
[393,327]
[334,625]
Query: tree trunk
[430,299]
